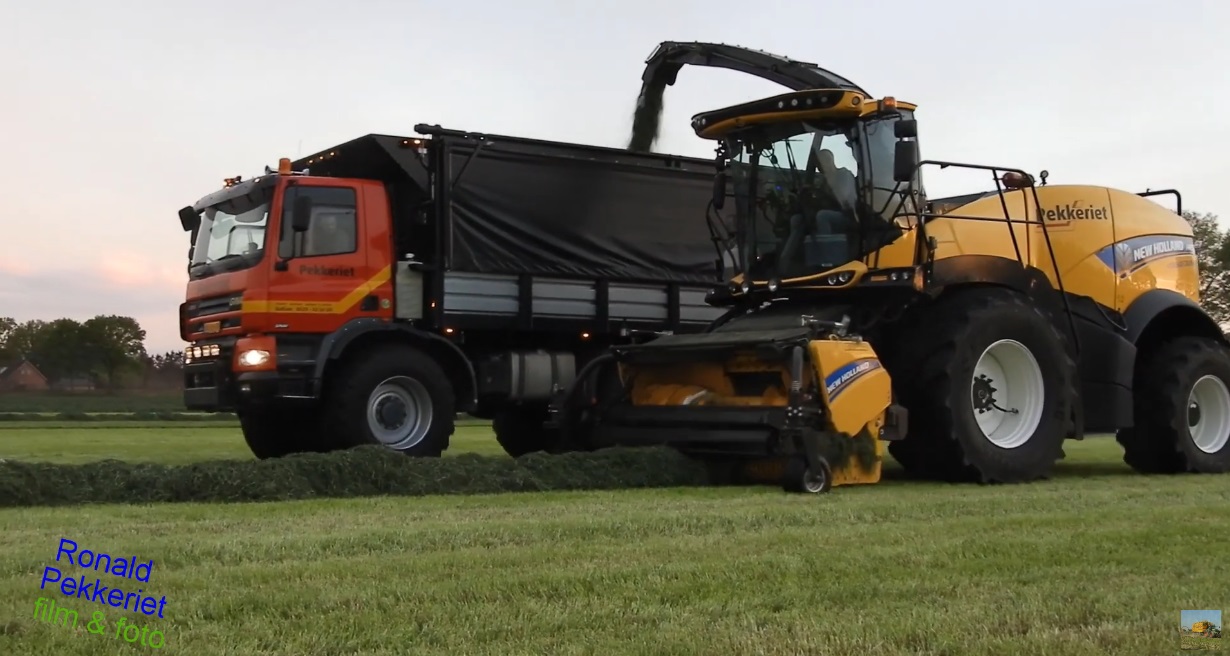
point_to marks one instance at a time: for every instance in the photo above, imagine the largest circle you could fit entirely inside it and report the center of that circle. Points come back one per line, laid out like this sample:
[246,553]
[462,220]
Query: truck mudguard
[458,366]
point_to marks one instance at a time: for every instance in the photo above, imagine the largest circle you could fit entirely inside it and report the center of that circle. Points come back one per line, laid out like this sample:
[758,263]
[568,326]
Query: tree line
[110,349]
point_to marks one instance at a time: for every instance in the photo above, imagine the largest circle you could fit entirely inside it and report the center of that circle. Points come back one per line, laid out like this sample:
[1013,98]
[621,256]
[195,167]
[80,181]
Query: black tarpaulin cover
[522,210]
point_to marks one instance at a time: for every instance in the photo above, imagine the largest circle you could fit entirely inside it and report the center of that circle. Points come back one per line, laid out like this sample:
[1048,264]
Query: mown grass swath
[363,471]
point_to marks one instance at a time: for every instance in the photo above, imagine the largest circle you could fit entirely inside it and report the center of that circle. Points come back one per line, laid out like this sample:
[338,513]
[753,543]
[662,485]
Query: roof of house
[8,368]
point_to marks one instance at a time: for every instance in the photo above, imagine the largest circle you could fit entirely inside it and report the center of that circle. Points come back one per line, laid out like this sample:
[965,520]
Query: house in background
[74,384]
[22,375]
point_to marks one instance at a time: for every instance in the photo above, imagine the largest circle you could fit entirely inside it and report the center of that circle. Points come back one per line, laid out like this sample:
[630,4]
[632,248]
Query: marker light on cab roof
[284,166]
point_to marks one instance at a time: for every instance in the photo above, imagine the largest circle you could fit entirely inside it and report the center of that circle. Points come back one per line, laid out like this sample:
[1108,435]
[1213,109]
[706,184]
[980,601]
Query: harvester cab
[821,179]
[967,336]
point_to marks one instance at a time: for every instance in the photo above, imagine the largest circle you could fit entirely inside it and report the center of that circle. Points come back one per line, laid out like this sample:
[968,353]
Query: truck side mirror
[301,214]
[189,219]
[719,190]
[905,161]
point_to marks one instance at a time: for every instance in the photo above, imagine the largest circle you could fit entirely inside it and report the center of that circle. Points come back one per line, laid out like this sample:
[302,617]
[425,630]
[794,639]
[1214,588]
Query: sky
[115,115]
[1189,617]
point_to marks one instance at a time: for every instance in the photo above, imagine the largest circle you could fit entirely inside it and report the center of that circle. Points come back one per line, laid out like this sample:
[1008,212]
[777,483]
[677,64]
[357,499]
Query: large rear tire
[989,385]
[1182,410]
[394,396]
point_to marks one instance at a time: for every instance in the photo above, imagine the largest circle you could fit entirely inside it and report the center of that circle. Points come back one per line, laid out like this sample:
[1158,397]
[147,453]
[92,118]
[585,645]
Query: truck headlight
[253,357]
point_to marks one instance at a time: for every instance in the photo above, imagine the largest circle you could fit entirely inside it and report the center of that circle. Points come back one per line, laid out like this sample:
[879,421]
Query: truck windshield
[232,233]
[798,191]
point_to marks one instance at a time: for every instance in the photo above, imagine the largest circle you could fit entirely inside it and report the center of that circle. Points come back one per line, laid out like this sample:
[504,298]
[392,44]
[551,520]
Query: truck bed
[531,232]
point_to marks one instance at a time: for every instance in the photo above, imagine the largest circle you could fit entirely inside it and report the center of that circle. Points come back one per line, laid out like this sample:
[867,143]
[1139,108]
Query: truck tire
[394,396]
[989,385]
[1182,410]
[273,432]
[519,430]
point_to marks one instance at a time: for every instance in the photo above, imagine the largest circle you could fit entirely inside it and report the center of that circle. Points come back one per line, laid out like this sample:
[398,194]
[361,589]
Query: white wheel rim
[1007,378]
[1208,414]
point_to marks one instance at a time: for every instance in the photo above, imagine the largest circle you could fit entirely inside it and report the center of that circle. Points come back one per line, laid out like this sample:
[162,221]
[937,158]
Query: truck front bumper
[211,386]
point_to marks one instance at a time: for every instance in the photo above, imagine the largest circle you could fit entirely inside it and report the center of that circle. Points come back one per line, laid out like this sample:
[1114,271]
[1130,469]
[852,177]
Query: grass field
[126,401]
[1096,561]
[1200,643]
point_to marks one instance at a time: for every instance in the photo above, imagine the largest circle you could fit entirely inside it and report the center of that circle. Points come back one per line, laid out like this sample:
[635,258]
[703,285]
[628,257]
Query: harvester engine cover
[783,386]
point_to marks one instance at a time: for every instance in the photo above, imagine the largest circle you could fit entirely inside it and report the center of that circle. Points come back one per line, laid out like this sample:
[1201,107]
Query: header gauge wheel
[798,477]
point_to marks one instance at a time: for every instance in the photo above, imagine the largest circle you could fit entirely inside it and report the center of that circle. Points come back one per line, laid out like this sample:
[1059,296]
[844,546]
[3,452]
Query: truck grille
[204,307]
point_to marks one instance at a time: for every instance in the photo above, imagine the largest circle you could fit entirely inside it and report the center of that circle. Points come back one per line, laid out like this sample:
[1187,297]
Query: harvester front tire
[997,337]
[798,477]
[276,432]
[393,396]
[1182,410]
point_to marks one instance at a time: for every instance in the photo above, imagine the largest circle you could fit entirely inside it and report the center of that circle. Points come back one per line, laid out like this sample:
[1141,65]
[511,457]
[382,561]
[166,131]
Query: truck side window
[334,227]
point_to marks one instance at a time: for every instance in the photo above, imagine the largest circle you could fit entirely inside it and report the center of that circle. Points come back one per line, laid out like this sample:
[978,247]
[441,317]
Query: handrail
[996,172]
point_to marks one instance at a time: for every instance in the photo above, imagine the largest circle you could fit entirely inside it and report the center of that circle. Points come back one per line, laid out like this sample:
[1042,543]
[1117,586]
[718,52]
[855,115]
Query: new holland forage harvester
[972,334]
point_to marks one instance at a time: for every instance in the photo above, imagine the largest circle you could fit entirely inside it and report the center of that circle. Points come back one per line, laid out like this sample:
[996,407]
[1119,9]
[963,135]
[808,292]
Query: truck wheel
[989,388]
[520,430]
[1182,408]
[394,396]
[276,432]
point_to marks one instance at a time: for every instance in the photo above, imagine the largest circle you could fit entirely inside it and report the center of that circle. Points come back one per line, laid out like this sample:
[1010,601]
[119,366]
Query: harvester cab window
[333,229]
[887,197]
[808,199]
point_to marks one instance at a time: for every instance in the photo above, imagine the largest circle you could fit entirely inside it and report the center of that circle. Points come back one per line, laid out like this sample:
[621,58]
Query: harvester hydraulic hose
[577,385]
[796,375]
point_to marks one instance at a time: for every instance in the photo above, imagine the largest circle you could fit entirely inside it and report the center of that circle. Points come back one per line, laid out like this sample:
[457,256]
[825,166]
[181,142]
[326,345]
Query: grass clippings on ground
[362,471]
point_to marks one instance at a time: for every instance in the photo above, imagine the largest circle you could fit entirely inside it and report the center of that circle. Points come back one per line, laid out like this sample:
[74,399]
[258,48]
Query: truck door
[323,282]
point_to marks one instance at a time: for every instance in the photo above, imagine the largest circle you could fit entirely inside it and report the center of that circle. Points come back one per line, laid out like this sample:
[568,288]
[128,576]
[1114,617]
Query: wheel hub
[1193,414]
[399,412]
[390,411]
[984,393]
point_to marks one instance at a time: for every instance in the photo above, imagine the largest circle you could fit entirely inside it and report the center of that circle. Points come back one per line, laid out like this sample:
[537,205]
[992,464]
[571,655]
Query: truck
[374,290]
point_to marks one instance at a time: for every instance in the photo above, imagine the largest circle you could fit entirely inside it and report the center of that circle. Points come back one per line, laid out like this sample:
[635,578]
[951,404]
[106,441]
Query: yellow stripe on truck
[291,306]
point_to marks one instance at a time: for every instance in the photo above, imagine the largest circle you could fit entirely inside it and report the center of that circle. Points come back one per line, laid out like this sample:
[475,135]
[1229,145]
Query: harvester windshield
[813,195]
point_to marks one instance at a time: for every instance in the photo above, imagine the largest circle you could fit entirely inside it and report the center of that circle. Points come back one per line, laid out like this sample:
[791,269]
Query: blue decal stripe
[1129,255]
[840,380]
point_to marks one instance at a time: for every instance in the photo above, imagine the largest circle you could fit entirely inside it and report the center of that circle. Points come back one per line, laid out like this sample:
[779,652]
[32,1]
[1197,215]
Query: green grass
[167,443]
[1200,643]
[1096,561]
[123,401]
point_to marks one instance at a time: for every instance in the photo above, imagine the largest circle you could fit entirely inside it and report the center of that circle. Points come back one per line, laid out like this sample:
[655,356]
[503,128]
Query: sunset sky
[117,114]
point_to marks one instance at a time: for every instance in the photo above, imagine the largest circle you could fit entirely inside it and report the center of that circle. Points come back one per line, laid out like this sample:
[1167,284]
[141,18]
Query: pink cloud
[126,284]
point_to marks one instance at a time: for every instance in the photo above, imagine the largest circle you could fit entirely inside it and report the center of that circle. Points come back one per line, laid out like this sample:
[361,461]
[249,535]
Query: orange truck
[369,293]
